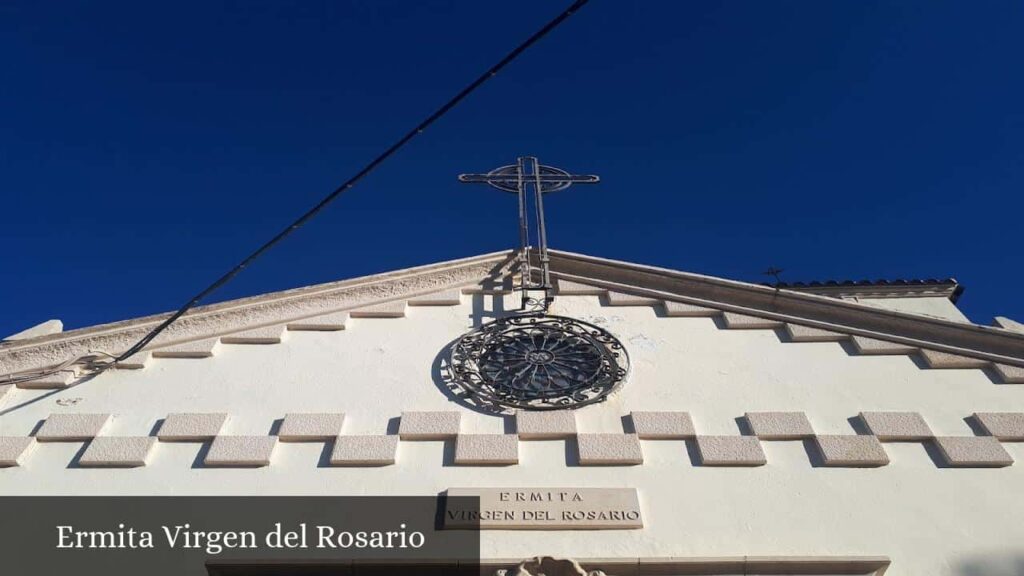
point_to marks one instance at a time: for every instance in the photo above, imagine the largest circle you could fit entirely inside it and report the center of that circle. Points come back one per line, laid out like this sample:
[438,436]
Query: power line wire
[347,185]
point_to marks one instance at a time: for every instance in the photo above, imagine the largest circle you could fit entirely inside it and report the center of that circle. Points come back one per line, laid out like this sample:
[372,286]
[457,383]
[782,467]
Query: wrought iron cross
[515,178]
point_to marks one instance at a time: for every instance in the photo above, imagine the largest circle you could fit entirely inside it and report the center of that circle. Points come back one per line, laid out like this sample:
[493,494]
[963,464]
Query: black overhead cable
[356,178]
[138,346]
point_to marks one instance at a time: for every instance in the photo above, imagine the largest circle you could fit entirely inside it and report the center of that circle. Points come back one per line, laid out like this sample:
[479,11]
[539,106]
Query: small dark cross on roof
[515,178]
[774,272]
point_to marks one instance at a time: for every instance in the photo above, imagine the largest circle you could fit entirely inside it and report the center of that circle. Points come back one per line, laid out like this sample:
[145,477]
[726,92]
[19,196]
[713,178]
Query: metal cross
[515,178]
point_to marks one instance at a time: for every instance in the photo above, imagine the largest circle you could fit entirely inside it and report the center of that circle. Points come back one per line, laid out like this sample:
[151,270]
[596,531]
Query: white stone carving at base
[548,566]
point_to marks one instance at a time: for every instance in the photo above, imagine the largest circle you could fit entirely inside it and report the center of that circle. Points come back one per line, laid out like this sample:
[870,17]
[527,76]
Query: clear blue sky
[146,147]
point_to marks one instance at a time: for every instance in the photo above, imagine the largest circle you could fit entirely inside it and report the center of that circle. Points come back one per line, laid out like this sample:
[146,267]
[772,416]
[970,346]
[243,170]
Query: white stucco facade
[927,517]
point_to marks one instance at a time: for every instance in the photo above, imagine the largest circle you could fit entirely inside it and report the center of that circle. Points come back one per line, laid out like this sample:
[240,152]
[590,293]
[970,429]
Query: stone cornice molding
[948,291]
[984,342]
[263,310]
[489,273]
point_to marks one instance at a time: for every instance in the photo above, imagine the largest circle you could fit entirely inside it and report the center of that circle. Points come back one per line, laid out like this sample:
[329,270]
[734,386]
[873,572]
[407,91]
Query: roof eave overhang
[266,309]
[983,342]
[962,338]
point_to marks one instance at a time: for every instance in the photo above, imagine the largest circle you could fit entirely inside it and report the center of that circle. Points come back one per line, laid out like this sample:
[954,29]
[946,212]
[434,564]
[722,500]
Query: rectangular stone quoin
[1009,374]
[428,425]
[545,425]
[261,335]
[487,449]
[241,451]
[973,451]
[730,451]
[376,450]
[851,451]
[897,426]
[308,427]
[118,451]
[872,346]
[385,310]
[5,389]
[451,297]
[1005,426]
[684,310]
[744,322]
[491,286]
[779,425]
[324,323]
[620,299]
[662,425]
[609,449]
[14,449]
[195,349]
[191,427]
[936,359]
[72,427]
[799,333]
[136,361]
[61,379]
[570,288]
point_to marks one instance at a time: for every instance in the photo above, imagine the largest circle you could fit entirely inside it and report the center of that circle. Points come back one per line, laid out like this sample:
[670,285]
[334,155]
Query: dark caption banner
[227,535]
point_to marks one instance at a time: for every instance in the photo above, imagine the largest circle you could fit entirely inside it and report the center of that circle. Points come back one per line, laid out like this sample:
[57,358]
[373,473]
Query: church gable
[370,379]
[720,415]
[800,314]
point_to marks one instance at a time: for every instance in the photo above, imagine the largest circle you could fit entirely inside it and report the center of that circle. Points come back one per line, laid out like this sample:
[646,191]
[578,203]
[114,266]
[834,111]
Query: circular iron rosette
[539,362]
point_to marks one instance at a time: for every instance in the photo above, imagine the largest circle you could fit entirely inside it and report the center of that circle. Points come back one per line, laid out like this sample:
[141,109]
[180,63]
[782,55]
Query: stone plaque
[545,509]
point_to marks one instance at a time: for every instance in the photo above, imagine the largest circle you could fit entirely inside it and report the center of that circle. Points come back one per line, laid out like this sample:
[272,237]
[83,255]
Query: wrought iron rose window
[539,362]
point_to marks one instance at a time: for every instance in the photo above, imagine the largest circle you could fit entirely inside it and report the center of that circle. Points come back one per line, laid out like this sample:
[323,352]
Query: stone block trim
[851,451]
[503,289]
[1004,426]
[865,345]
[364,450]
[621,299]
[254,451]
[897,426]
[263,335]
[1009,374]
[195,349]
[682,309]
[570,288]
[936,359]
[451,297]
[779,425]
[136,361]
[743,322]
[730,451]
[118,451]
[662,425]
[973,451]
[5,389]
[386,310]
[14,449]
[308,427]
[61,379]
[428,425]
[325,323]
[72,427]
[191,427]
[609,449]
[486,449]
[799,333]
[545,425]
[615,449]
